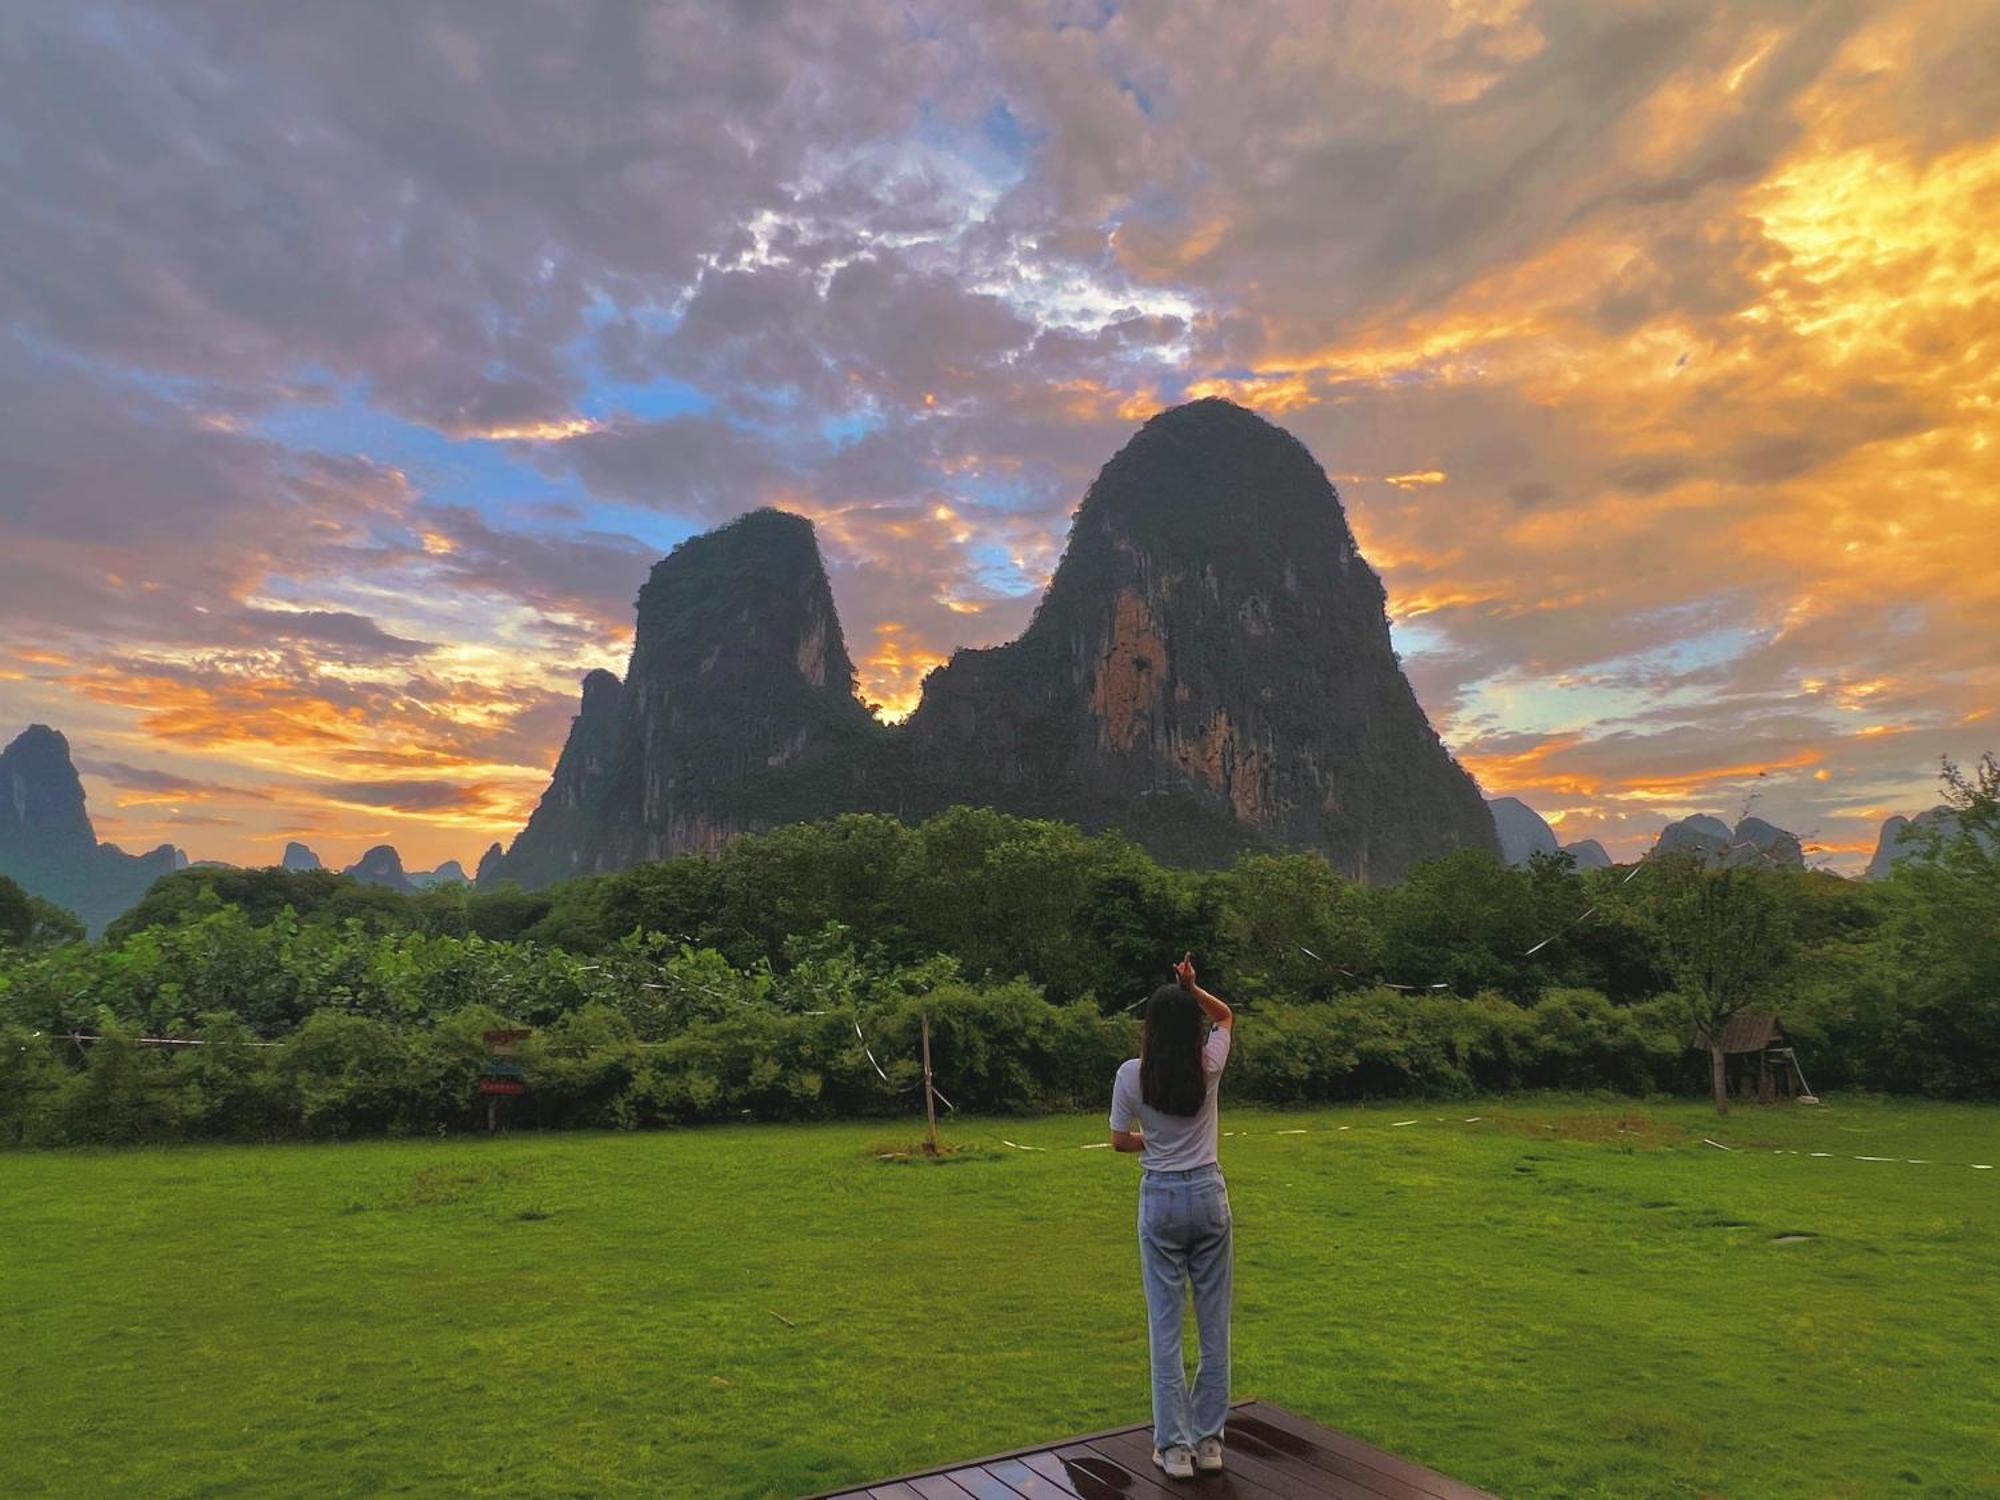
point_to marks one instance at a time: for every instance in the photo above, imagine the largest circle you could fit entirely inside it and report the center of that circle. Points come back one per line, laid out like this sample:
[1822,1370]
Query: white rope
[864,1047]
[153,1041]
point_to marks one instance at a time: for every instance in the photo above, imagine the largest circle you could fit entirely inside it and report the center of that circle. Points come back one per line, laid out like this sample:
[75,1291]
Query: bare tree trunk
[1719,1067]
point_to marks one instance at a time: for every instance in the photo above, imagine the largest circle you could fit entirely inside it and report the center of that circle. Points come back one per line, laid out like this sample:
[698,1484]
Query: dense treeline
[709,988]
[1082,917]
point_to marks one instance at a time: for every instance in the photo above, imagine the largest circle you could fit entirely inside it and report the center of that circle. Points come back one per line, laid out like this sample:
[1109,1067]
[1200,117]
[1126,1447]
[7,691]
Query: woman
[1163,1107]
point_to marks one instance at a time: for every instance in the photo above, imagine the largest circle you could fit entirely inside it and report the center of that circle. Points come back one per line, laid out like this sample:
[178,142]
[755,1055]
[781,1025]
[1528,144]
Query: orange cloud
[894,671]
[1273,395]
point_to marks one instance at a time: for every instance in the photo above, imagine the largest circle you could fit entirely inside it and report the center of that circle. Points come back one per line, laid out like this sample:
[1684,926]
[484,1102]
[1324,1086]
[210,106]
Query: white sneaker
[1208,1455]
[1177,1462]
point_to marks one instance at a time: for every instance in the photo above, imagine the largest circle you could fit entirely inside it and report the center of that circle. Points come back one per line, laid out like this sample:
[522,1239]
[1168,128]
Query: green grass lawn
[1566,1297]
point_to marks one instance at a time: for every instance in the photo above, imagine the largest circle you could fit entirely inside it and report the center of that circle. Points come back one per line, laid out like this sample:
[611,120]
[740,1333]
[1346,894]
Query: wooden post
[930,1095]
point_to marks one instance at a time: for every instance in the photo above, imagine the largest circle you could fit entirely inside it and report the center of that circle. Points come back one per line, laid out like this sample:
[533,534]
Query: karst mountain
[47,842]
[1210,670]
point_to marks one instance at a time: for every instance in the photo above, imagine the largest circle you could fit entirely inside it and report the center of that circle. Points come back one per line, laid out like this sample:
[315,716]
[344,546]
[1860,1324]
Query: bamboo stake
[930,1096]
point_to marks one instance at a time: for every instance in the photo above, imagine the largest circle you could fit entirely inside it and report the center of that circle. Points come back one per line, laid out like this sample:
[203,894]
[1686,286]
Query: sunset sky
[359,359]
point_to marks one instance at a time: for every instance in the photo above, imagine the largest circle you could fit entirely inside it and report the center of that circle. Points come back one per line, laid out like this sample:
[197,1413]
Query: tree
[17,918]
[1726,937]
[1948,936]
[29,923]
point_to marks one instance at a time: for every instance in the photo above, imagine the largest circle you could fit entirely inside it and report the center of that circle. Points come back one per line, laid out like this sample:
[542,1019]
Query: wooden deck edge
[993,1458]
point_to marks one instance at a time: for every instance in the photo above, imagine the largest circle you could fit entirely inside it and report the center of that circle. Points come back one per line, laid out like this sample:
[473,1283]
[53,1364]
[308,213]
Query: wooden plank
[1343,1478]
[1296,1480]
[1133,1449]
[1322,1444]
[1130,1481]
[925,1487]
[980,1485]
[953,1468]
[1026,1482]
[1097,1476]
[1051,1468]
[1292,1479]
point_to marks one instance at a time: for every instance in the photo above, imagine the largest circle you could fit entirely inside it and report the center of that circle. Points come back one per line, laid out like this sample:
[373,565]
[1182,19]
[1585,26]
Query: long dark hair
[1170,1052]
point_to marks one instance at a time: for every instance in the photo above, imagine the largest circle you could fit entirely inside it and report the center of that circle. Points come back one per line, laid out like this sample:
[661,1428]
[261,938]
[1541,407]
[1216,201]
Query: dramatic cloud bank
[357,360]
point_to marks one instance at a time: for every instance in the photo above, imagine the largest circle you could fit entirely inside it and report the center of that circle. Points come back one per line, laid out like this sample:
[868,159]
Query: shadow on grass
[901,1154]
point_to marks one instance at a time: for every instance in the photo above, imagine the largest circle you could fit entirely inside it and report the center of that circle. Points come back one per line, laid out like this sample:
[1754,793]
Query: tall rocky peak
[1210,670]
[47,842]
[1588,854]
[738,614]
[490,864]
[381,865]
[1759,842]
[1889,846]
[1523,832]
[557,838]
[739,695]
[41,797]
[299,857]
[1918,839]
[1752,842]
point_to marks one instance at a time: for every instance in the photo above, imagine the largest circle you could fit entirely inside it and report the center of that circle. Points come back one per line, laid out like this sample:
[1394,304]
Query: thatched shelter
[1761,1062]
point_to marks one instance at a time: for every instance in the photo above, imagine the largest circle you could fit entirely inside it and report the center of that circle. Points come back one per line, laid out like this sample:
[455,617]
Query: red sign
[502,1086]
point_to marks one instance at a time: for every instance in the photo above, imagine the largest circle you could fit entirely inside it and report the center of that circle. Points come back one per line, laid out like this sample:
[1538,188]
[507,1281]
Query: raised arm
[1218,1011]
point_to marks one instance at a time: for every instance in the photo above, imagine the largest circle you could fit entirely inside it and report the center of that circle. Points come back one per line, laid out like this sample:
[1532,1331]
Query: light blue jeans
[1183,1243]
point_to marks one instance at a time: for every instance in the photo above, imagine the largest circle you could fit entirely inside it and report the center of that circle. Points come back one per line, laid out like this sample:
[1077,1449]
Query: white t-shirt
[1174,1143]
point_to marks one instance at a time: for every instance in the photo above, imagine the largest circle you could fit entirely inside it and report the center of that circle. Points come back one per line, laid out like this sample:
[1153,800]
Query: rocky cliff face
[41,799]
[1752,842]
[1588,854]
[1760,843]
[1912,839]
[381,865]
[47,843]
[299,857]
[1210,670]
[490,864]
[1523,832]
[557,841]
[738,711]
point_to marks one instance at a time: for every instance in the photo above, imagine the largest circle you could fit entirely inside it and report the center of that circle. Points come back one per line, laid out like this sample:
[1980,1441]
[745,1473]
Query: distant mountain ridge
[1910,838]
[48,845]
[1752,842]
[298,857]
[1209,670]
[1588,854]
[47,842]
[1524,833]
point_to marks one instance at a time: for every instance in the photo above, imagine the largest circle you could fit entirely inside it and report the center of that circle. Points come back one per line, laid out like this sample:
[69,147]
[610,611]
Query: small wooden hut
[1760,1062]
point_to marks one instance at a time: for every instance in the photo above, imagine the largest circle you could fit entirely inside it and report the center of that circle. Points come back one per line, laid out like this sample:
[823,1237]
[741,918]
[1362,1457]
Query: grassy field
[1561,1298]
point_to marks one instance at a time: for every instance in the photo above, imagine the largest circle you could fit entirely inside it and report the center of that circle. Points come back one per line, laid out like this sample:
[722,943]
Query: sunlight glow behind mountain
[358,367]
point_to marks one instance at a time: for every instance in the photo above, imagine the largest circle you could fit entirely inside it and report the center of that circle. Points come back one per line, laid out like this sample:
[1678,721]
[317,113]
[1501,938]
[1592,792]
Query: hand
[1184,972]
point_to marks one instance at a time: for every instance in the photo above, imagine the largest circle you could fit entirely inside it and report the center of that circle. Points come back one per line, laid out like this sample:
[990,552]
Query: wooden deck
[1271,1455]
